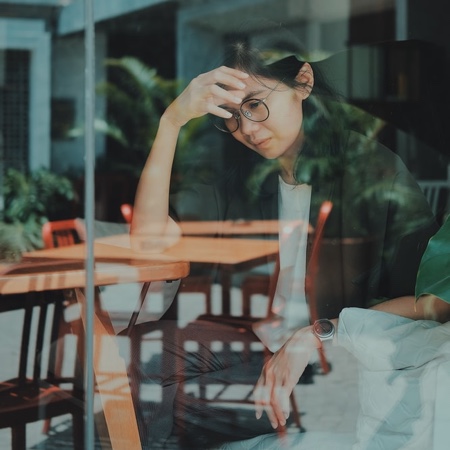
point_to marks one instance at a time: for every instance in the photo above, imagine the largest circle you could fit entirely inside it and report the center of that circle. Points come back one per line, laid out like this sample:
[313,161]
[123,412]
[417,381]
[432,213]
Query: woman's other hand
[205,93]
[280,375]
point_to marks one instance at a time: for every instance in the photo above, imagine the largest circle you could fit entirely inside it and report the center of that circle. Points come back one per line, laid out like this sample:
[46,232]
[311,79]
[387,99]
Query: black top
[376,234]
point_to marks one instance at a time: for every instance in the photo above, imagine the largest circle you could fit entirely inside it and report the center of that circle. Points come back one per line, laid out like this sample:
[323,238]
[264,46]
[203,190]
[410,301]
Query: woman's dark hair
[321,121]
[253,61]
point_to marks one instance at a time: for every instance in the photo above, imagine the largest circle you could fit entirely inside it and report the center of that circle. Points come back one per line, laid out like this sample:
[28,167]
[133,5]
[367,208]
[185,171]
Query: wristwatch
[323,329]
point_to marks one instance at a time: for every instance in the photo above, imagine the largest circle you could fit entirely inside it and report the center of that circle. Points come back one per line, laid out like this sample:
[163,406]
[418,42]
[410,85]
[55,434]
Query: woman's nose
[248,126]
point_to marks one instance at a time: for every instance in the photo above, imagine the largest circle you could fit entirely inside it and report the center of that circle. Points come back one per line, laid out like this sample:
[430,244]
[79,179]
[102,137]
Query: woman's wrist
[171,118]
[305,336]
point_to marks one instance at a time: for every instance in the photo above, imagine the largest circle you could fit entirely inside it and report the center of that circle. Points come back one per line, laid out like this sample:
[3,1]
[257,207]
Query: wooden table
[230,254]
[234,228]
[229,227]
[63,268]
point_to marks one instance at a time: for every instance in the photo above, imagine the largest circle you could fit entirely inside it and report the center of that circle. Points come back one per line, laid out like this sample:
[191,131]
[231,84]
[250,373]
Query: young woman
[292,129]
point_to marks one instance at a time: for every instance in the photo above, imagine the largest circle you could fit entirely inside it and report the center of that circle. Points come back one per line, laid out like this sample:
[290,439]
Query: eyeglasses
[254,109]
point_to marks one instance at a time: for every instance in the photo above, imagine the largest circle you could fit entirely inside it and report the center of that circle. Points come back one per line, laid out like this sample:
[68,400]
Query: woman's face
[281,134]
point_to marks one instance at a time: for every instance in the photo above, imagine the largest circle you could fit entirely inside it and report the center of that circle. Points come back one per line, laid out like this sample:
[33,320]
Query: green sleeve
[433,276]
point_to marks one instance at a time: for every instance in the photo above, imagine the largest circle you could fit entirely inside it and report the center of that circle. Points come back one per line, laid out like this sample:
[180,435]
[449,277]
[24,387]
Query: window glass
[231,177]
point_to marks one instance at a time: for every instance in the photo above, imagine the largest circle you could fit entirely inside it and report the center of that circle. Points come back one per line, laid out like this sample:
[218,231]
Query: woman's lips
[261,142]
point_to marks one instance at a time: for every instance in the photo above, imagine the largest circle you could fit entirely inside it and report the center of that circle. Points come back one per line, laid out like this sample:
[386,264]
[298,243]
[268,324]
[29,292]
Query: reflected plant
[137,97]
[367,183]
[31,200]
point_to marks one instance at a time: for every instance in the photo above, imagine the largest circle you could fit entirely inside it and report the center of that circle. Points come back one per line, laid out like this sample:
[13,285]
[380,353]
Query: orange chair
[191,284]
[266,285]
[39,391]
[127,212]
[61,233]
[261,283]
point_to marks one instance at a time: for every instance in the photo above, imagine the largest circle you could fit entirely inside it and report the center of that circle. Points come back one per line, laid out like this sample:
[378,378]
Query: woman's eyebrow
[252,94]
[248,96]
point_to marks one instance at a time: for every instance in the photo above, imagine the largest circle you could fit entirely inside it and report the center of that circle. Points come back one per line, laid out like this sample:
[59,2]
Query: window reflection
[248,289]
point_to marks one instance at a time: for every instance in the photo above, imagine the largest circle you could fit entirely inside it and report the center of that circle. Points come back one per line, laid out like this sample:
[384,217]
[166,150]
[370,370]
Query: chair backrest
[432,190]
[127,212]
[42,321]
[32,347]
[313,265]
[62,233]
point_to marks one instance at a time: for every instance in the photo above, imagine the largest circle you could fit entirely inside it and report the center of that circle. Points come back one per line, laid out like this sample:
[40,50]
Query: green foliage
[31,200]
[433,277]
[365,173]
[137,96]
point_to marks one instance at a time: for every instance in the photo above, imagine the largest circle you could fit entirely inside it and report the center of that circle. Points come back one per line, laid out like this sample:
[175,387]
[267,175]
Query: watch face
[323,328]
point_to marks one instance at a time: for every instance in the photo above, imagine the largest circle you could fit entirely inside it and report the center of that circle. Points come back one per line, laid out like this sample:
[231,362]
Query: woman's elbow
[435,308]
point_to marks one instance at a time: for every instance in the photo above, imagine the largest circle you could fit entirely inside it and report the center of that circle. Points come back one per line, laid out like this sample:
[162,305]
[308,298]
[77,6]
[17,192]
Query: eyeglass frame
[240,112]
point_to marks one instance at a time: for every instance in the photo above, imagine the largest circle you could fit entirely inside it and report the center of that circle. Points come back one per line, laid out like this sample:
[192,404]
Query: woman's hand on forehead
[226,86]
[206,93]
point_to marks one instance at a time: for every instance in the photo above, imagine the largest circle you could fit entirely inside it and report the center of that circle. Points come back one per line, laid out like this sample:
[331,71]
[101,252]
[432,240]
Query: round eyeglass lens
[255,110]
[226,125]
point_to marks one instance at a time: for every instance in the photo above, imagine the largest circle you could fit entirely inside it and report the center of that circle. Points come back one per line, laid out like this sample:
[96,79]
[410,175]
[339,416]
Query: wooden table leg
[225,281]
[114,390]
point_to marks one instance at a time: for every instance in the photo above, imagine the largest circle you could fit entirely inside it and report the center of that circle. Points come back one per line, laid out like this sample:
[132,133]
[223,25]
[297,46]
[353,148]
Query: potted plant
[30,200]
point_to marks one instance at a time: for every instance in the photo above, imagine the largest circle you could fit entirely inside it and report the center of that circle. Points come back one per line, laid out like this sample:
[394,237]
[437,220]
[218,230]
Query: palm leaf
[433,276]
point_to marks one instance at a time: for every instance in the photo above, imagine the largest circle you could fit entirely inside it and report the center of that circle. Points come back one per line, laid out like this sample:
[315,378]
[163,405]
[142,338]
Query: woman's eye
[254,104]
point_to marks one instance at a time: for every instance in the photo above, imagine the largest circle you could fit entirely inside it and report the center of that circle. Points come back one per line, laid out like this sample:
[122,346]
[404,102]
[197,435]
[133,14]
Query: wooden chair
[193,283]
[61,233]
[266,285]
[70,232]
[263,284]
[436,192]
[230,331]
[127,212]
[39,391]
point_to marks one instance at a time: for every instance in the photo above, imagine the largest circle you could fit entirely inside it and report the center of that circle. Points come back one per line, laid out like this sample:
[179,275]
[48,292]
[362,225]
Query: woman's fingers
[280,375]
[208,93]
[226,76]
[273,399]
[260,397]
[222,96]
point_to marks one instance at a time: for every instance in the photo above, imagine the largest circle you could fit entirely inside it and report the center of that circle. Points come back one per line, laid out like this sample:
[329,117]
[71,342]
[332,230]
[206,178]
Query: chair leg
[18,435]
[323,361]
[78,431]
[295,413]
[253,284]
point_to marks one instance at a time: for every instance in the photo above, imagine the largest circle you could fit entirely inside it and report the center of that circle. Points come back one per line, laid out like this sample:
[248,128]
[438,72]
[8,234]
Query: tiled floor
[329,404]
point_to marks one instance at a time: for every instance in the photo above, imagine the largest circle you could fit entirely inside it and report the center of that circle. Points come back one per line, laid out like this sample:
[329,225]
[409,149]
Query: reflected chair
[193,283]
[62,233]
[436,193]
[266,285]
[127,212]
[39,391]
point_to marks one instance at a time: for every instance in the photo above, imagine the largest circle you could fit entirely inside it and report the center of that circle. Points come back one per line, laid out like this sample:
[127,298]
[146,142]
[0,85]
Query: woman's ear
[305,77]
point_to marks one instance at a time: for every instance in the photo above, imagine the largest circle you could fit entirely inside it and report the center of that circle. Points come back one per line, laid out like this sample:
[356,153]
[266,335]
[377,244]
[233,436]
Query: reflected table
[63,268]
[230,254]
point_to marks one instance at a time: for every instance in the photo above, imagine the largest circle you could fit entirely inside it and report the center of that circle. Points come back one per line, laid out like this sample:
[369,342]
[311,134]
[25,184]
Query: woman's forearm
[151,222]
[426,307]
